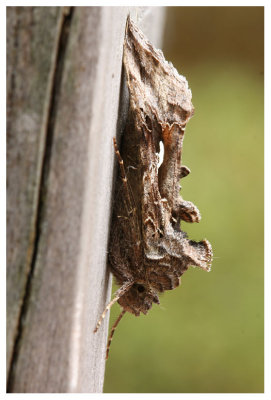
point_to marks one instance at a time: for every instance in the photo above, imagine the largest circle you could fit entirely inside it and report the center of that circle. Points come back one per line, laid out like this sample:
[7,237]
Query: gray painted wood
[63,110]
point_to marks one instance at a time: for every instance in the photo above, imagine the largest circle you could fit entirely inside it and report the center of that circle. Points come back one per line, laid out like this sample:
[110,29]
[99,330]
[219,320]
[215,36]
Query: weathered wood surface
[63,83]
[30,66]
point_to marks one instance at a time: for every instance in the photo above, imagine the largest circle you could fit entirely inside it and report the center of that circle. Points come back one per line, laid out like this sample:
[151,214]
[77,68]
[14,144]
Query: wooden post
[63,81]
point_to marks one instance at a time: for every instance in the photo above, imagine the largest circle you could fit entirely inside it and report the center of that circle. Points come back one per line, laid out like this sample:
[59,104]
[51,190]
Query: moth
[148,251]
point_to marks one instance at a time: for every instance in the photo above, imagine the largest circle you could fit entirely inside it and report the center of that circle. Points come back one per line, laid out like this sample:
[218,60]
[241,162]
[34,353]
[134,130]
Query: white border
[139,3]
[267,165]
[156,396]
[3,196]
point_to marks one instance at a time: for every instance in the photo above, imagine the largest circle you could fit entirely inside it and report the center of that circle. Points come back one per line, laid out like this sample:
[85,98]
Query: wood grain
[64,84]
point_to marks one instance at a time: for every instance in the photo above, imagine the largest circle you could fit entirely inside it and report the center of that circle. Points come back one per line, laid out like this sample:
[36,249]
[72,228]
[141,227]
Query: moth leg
[130,209]
[120,292]
[112,332]
[124,178]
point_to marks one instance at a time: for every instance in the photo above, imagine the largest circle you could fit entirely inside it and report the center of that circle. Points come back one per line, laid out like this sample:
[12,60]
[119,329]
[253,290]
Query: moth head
[138,298]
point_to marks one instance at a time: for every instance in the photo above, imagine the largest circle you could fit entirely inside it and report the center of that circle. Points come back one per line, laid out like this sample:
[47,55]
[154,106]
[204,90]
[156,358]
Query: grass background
[207,335]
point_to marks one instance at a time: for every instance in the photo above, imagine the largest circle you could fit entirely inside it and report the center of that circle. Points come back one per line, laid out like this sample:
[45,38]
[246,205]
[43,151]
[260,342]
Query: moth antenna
[120,292]
[112,332]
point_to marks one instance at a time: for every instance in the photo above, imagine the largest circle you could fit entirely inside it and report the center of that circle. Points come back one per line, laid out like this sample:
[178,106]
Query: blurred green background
[207,335]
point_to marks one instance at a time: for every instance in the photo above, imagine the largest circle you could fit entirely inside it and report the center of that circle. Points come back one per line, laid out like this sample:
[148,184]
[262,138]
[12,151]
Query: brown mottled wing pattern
[160,107]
